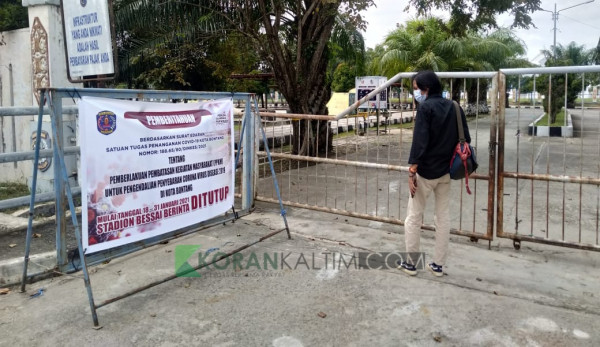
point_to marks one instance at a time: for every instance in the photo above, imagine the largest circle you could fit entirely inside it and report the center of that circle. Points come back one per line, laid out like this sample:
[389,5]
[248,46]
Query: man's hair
[428,80]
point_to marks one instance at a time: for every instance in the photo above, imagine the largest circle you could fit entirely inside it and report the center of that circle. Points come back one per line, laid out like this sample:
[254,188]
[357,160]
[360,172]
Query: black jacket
[435,136]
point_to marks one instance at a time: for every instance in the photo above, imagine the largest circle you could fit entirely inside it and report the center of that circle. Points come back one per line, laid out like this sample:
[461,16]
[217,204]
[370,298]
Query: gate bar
[469,74]
[551,70]
[369,217]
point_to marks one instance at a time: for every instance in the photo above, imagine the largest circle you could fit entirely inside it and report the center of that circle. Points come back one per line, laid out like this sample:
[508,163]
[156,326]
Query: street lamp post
[555,18]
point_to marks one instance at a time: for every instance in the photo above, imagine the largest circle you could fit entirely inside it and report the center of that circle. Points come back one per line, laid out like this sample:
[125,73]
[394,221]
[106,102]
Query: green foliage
[467,15]
[422,44]
[559,84]
[183,66]
[347,55]
[344,78]
[559,120]
[429,44]
[553,88]
[13,15]
[525,84]
[9,190]
[347,43]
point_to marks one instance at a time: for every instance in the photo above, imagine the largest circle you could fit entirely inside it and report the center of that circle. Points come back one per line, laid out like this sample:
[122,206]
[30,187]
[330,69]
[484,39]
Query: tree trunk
[312,137]
[473,106]
[300,73]
[456,89]
[556,94]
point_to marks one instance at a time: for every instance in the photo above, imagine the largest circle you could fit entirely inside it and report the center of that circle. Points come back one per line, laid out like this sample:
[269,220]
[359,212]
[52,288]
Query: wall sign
[89,39]
[365,85]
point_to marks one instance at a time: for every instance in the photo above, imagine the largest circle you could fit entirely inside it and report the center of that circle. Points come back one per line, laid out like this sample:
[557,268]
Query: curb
[11,270]
[11,223]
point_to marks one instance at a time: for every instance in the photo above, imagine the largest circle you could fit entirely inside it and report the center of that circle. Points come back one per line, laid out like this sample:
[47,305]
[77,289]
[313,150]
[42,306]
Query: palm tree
[499,49]
[347,45]
[572,54]
[428,44]
[423,44]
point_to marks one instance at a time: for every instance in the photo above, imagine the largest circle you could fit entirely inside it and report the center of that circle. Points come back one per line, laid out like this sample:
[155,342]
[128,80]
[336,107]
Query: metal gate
[548,176]
[530,186]
[364,172]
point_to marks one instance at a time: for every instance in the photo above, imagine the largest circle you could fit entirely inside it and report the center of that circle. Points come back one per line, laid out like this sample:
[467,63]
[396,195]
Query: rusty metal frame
[502,173]
[488,176]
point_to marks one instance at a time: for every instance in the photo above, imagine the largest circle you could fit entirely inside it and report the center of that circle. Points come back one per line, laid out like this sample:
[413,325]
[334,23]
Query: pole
[13,126]
[555,18]
[33,190]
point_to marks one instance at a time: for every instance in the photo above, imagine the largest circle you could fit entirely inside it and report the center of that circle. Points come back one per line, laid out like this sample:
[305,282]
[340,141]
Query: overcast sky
[580,24]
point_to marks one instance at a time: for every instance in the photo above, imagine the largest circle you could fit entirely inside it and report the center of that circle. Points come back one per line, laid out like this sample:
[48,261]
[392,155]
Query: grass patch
[9,190]
[373,129]
[343,135]
[408,125]
[560,120]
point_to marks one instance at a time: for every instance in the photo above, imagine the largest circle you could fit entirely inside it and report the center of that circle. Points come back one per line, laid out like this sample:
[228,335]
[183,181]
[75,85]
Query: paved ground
[13,228]
[537,296]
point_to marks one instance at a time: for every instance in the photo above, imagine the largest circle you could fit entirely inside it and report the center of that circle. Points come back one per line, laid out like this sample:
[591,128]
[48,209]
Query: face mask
[418,96]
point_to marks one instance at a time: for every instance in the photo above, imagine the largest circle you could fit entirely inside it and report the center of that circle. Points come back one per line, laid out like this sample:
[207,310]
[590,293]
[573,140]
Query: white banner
[149,168]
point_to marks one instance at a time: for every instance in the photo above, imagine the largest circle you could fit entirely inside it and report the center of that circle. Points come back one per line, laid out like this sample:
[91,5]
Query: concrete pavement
[537,296]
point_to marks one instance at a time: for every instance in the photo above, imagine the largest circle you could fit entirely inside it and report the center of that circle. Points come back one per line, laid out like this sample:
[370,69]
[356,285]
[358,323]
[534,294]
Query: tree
[13,15]
[572,54]
[292,37]
[491,52]
[428,44]
[421,44]
[347,58]
[343,78]
[468,15]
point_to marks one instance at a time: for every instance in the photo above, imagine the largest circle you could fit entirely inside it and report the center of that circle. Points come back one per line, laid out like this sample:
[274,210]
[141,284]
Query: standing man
[434,139]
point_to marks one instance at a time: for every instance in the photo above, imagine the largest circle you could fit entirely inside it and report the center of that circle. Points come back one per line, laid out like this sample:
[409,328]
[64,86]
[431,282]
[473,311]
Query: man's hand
[412,184]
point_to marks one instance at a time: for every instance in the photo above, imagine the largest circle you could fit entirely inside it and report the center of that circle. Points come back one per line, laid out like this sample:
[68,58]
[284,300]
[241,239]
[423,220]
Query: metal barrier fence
[548,176]
[244,180]
[545,184]
[529,186]
[14,157]
[364,172]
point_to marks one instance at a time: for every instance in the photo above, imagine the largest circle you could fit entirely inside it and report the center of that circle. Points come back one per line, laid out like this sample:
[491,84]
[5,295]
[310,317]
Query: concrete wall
[15,53]
[50,17]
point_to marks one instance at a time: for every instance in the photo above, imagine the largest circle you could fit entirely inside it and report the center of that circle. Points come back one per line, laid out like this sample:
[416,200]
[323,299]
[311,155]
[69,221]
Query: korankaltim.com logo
[190,257]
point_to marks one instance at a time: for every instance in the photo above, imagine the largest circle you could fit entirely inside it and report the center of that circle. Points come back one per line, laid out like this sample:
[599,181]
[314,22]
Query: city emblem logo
[106,122]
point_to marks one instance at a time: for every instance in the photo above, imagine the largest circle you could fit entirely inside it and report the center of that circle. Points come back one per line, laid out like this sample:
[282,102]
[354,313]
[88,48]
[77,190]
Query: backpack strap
[461,131]
[463,147]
